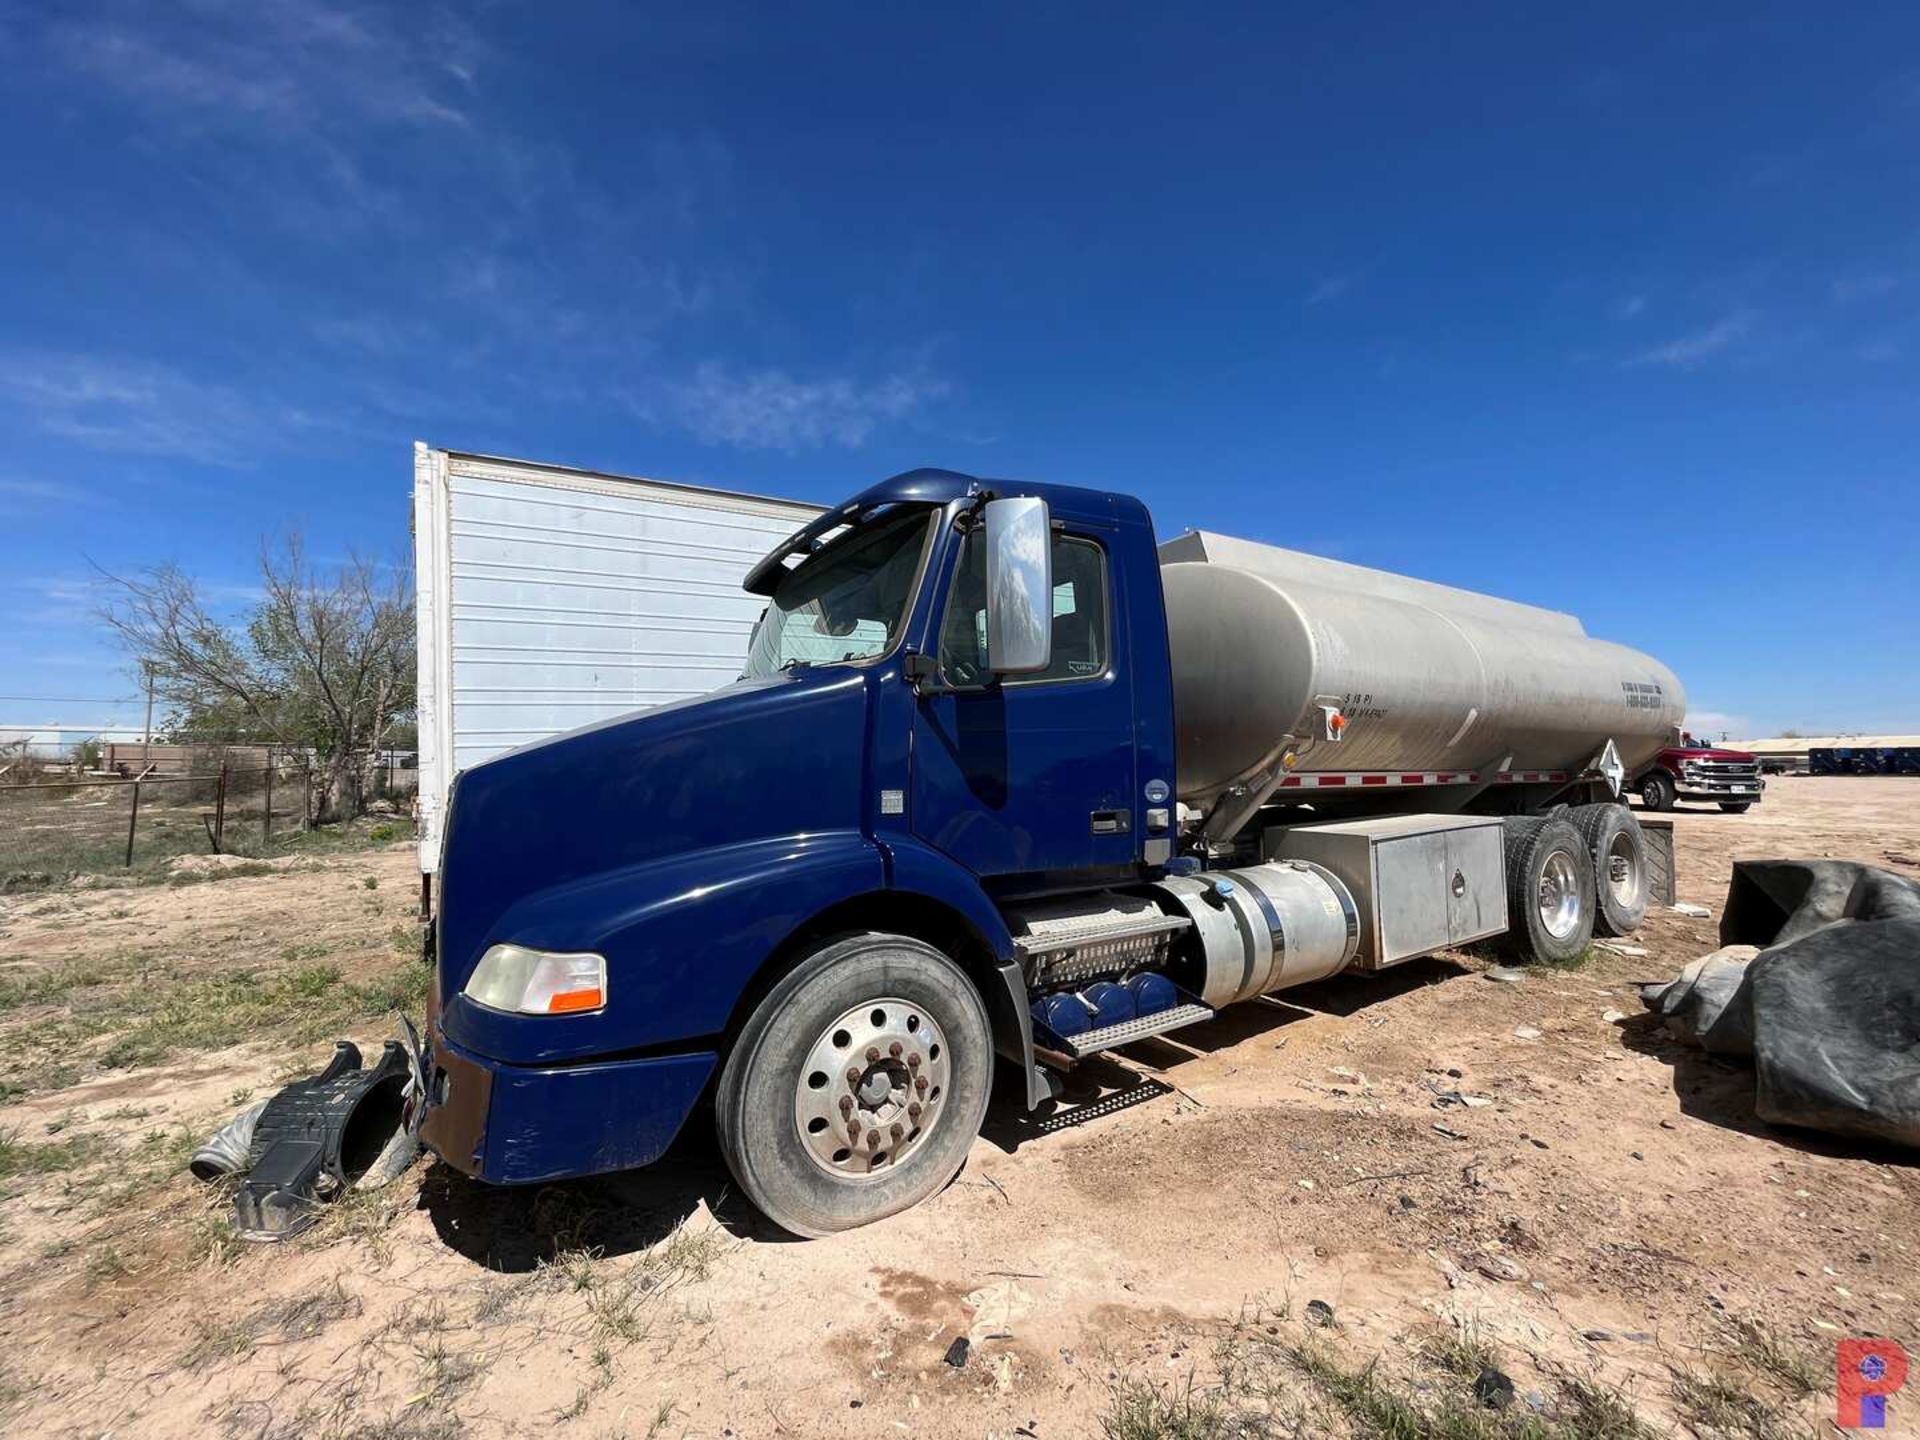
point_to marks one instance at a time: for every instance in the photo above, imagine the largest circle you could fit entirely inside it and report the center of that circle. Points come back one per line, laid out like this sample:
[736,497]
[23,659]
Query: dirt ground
[1615,1218]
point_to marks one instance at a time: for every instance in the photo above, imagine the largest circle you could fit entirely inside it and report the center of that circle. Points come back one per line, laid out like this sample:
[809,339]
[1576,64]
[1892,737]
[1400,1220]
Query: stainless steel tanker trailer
[1001,776]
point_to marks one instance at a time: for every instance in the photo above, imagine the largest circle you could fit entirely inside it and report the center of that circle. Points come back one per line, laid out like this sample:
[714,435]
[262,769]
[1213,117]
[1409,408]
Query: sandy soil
[1612,1210]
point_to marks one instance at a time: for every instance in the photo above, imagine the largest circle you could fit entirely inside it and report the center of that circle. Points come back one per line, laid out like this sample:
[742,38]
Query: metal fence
[95,823]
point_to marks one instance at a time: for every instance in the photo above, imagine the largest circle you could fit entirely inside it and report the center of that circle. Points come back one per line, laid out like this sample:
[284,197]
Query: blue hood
[762,758]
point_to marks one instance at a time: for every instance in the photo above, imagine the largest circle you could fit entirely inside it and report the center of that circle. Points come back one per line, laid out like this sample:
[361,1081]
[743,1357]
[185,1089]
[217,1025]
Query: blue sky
[1615,312]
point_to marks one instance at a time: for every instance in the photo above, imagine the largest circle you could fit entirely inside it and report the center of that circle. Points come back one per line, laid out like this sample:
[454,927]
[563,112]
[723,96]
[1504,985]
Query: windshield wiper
[796,663]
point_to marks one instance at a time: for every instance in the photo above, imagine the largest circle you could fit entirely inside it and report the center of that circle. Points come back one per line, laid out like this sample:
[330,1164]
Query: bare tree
[325,663]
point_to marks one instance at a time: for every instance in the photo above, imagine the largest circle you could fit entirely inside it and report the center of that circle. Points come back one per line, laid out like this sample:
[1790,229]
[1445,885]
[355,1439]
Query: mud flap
[318,1138]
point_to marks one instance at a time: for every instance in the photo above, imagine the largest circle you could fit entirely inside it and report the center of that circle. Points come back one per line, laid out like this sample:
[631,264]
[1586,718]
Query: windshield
[845,602]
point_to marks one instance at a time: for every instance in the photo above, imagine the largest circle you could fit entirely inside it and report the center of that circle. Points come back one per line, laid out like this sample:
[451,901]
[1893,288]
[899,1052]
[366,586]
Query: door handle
[1112,822]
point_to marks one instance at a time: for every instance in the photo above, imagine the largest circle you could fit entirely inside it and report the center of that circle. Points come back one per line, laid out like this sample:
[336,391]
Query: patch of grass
[1713,1404]
[106,1265]
[217,1340]
[1458,1349]
[444,1373]
[250,869]
[1281,1380]
[1777,1358]
[30,1157]
[1580,961]
[1141,1410]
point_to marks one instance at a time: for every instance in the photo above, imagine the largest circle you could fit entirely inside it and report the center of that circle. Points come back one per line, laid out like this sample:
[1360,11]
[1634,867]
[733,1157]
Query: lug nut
[920,1084]
[853,1075]
[913,1061]
[896,1132]
[873,1139]
[913,1111]
[873,1053]
[846,1104]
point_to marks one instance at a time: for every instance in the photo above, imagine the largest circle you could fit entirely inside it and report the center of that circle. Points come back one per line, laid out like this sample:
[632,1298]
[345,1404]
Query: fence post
[266,820]
[306,796]
[133,818]
[220,809]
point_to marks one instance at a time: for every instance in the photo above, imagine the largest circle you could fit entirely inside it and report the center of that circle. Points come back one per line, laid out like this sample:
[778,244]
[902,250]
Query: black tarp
[1829,1008]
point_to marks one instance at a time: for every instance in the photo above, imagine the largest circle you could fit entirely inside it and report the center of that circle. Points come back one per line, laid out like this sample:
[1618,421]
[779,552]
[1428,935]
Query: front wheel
[1657,792]
[1736,807]
[857,1085]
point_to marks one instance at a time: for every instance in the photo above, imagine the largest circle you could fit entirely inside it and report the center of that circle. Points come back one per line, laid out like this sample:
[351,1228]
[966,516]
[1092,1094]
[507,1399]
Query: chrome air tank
[1260,928]
[1429,678]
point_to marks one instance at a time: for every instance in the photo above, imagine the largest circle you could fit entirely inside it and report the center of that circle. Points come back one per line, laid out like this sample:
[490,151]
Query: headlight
[538,982]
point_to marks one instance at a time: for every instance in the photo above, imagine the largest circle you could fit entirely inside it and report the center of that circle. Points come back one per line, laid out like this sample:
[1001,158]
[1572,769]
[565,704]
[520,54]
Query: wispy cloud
[302,65]
[18,497]
[139,408]
[1633,307]
[1332,288]
[1690,351]
[771,410]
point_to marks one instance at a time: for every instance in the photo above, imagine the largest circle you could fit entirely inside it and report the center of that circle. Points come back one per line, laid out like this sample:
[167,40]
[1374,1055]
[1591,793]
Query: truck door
[1032,773]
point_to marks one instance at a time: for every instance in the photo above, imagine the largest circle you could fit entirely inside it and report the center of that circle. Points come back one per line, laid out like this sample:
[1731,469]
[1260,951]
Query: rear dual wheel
[1550,889]
[1618,849]
[857,1085]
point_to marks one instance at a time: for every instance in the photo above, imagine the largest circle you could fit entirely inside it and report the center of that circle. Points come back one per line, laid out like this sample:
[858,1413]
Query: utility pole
[146,730]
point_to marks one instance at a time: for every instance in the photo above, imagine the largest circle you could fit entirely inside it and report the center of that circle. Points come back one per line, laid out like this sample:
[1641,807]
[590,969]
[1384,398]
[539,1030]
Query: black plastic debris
[1493,1388]
[1829,1009]
[957,1353]
[349,1125]
[1320,1313]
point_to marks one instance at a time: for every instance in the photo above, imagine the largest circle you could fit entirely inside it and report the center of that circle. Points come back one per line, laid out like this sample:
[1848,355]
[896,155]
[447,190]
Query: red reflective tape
[1412,779]
[1330,780]
[1373,779]
[1288,782]
[1443,777]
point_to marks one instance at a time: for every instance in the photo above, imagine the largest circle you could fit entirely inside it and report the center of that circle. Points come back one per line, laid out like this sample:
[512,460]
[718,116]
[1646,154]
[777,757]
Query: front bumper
[517,1124]
[1713,787]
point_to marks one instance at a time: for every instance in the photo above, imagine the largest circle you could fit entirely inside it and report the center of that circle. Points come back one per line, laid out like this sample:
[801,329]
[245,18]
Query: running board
[1112,1037]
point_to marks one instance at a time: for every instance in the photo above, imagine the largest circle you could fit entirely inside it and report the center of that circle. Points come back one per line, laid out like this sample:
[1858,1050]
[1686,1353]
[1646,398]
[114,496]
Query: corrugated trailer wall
[552,598]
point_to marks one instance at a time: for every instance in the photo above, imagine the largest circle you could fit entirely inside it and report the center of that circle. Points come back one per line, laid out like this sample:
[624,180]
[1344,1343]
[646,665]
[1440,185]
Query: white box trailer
[549,598]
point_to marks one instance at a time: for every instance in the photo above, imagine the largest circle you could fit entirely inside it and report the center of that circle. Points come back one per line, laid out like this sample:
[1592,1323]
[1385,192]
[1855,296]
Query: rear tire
[1619,853]
[1656,792]
[1550,899]
[799,1102]
[1735,807]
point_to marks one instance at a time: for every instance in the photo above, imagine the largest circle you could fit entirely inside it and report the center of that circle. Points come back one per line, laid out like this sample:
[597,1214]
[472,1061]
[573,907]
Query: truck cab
[1700,774]
[939,821]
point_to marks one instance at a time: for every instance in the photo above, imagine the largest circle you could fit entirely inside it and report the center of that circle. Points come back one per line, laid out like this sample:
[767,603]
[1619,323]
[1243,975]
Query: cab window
[1079,615]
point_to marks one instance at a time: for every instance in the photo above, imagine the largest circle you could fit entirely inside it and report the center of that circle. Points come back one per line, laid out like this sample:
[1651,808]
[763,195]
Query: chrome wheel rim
[872,1089]
[1559,896]
[1623,871]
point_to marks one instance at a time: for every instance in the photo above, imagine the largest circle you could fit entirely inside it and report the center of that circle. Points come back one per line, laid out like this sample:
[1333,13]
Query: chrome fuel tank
[1428,678]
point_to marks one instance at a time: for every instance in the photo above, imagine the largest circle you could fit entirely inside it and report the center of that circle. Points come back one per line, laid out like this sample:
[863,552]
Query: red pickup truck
[1700,773]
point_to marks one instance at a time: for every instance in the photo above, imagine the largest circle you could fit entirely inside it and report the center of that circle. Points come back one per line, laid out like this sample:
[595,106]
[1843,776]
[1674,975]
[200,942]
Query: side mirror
[1019,586]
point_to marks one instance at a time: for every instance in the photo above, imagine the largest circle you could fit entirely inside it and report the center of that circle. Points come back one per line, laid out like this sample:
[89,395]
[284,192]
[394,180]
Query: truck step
[1083,937]
[1112,1037]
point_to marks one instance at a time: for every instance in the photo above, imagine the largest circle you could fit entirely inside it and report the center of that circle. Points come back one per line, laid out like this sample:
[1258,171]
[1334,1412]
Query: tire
[1656,791]
[814,1180]
[1736,807]
[1619,853]
[1548,858]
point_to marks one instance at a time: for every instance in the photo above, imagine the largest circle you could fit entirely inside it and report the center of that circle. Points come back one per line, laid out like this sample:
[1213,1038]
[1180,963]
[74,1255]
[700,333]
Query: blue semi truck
[1002,782]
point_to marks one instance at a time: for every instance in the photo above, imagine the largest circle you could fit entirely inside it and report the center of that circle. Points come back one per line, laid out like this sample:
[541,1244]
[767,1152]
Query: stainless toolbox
[1420,882]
